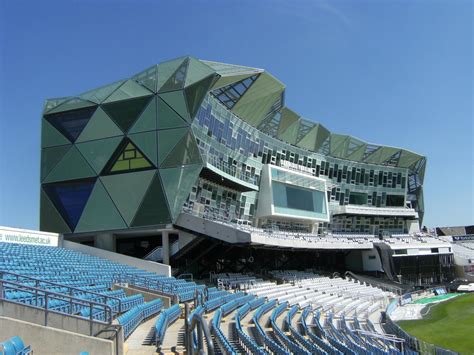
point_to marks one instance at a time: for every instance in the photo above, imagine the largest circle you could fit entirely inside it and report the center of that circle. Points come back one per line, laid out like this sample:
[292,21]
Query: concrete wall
[160,269]
[50,341]
[148,296]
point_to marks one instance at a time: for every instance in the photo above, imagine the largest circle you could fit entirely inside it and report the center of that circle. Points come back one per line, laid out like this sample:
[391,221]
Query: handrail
[196,319]
[59,296]
[71,288]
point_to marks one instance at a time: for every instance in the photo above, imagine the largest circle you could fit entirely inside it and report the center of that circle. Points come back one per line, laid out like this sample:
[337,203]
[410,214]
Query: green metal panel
[100,212]
[167,117]
[309,139]
[288,117]
[100,94]
[257,100]
[126,112]
[50,219]
[321,137]
[408,158]
[226,80]
[146,142]
[72,166]
[50,157]
[99,126]
[177,79]
[357,154]
[386,153]
[154,208]
[148,78]
[128,90]
[197,71]
[186,152]
[290,134]
[98,152]
[196,93]
[167,139]
[127,191]
[177,183]
[49,104]
[338,145]
[147,120]
[177,101]
[231,70]
[50,136]
[72,104]
[166,70]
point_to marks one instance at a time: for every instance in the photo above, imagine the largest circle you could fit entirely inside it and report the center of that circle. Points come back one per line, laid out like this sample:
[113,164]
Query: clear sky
[398,73]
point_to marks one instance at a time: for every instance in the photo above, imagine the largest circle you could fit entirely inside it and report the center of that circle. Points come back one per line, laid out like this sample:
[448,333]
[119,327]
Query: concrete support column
[166,247]
[105,241]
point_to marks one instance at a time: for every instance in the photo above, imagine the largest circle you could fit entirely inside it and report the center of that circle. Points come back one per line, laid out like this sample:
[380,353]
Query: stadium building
[202,165]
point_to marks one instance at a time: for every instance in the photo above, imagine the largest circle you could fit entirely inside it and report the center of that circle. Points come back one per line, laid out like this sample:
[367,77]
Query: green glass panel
[196,93]
[338,142]
[72,104]
[50,157]
[148,78]
[197,71]
[50,136]
[50,219]
[167,117]
[146,142]
[153,209]
[177,101]
[321,137]
[177,184]
[126,112]
[52,103]
[309,139]
[186,152]
[100,94]
[288,117]
[72,166]
[289,135]
[100,212]
[128,157]
[172,81]
[166,70]
[147,120]
[127,191]
[128,90]
[98,152]
[167,139]
[99,126]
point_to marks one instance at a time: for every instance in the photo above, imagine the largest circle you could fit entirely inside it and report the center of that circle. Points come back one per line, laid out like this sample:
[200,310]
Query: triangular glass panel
[127,191]
[50,219]
[166,70]
[146,142]
[100,94]
[197,71]
[167,117]
[393,160]
[71,166]
[303,129]
[186,152]
[177,184]
[369,150]
[100,126]
[154,208]
[52,103]
[72,104]
[167,140]
[177,80]
[70,198]
[196,92]
[98,152]
[127,158]
[177,101]
[129,90]
[148,78]
[125,113]
[100,212]
[50,136]
[229,95]
[71,123]
[147,120]
[50,157]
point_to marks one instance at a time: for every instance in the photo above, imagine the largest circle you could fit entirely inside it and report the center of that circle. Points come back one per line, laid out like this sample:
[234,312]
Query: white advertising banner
[25,236]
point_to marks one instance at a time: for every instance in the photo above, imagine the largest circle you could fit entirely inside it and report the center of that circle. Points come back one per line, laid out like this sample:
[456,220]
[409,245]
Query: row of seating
[131,319]
[165,319]
[14,346]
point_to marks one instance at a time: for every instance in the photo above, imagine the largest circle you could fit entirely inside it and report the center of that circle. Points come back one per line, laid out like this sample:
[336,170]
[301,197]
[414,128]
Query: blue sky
[391,72]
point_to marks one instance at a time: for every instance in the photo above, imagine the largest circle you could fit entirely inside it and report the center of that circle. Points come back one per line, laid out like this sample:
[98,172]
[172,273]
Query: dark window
[71,123]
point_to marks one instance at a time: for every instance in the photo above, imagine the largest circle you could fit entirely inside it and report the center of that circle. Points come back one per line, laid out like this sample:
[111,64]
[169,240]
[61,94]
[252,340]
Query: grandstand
[188,208]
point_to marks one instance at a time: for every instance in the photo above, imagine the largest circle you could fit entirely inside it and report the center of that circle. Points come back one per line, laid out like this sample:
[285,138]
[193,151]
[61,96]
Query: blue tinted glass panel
[71,123]
[70,198]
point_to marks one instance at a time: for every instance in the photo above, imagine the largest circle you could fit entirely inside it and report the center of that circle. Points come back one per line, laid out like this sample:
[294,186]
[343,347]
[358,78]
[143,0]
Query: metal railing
[39,298]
